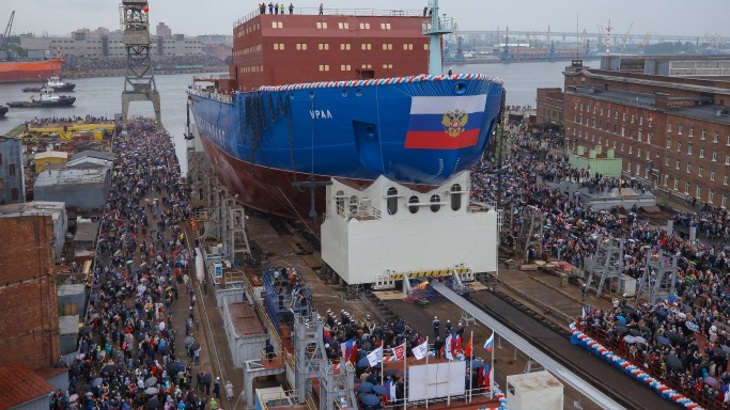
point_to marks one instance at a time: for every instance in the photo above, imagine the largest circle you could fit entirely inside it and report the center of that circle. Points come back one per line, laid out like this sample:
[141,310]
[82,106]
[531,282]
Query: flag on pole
[486,375]
[421,350]
[455,343]
[376,356]
[489,344]
[399,353]
[467,351]
[349,351]
[447,348]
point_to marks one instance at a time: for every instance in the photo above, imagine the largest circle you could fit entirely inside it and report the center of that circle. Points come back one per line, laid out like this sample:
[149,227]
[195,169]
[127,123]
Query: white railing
[311,11]
[202,92]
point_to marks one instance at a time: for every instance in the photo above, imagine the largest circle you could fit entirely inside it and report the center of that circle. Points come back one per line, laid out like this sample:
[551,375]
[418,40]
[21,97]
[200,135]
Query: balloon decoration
[502,401]
[581,339]
[146,9]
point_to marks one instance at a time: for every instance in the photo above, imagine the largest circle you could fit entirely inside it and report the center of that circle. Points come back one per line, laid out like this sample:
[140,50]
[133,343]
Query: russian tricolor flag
[451,122]
[489,344]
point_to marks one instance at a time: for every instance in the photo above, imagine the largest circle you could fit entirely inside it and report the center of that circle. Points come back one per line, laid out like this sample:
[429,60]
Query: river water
[102,96]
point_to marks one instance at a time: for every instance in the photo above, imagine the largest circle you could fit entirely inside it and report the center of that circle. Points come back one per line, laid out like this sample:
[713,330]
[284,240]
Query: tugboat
[3,111]
[48,98]
[55,83]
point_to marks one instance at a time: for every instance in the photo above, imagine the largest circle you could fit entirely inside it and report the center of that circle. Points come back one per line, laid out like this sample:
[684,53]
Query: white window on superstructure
[344,25]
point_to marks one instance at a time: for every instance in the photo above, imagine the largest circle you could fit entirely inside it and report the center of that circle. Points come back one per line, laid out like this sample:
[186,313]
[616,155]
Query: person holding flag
[421,351]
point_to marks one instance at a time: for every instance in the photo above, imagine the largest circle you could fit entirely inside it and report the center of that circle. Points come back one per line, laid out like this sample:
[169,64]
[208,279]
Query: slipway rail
[531,350]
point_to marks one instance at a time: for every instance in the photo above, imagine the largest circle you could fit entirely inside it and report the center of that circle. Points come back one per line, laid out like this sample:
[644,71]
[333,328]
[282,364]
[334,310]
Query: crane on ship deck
[4,51]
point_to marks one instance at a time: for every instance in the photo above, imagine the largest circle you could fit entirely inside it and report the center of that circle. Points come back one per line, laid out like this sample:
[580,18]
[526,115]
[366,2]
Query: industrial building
[28,295]
[55,210]
[669,130]
[12,184]
[82,189]
[103,43]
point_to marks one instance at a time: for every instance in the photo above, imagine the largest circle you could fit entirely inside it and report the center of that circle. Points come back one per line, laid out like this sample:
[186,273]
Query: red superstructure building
[325,48]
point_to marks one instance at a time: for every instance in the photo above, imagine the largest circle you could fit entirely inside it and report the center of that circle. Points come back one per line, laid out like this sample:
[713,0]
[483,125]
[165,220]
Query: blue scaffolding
[285,295]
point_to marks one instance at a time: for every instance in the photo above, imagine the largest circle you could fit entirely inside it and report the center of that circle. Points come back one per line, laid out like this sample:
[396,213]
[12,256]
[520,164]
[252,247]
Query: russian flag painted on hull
[445,122]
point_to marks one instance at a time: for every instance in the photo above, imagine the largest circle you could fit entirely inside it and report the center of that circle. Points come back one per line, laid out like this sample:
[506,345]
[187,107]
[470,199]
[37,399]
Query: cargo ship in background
[353,96]
[27,71]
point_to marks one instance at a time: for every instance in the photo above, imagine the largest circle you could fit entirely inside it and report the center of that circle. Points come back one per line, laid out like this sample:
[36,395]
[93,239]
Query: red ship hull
[266,189]
[28,71]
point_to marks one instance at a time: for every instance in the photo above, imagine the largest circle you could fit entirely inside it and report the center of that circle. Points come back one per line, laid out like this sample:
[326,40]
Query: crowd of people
[686,337]
[130,356]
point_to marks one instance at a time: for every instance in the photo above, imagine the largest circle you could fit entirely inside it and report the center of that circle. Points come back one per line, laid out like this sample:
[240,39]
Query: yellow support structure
[428,273]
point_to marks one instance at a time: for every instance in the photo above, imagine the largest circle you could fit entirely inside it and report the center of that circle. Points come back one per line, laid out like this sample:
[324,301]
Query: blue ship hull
[414,130]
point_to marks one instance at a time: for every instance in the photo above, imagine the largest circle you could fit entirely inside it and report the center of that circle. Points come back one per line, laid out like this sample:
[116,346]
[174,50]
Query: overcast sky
[192,17]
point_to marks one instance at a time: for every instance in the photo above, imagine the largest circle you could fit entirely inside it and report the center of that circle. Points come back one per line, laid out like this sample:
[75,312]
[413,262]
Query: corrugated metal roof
[108,156]
[89,162]
[70,176]
[21,385]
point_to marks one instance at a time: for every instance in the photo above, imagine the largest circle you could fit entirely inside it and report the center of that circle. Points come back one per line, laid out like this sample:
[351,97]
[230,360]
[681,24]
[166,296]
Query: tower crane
[6,34]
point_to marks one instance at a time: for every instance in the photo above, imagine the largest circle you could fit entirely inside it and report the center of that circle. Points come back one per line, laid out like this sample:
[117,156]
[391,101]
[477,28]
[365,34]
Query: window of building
[711,197]
[724,201]
[638,152]
[387,66]
[278,46]
[648,155]
[324,67]
[387,46]
[716,137]
[2,184]
[593,138]
[14,195]
[631,149]
[689,168]
[615,115]
[691,132]
[669,143]
[666,180]
[669,127]
[676,184]
[702,152]
[679,146]
[11,170]
[623,116]
[700,171]
[426,47]
[698,192]
[435,203]
[623,131]
[648,138]
[704,134]
[609,114]
[301,46]
[679,129]
[641,120]
[322,25]
[385,26]
[366,46]
[726,180]
[408,46]
[344,25]
[687,187]
[689,149]
[364,26]
[323,46]
[601,112]
[712,176]
[345,67]
[666,161]
[649,122]
[345,46]
[277,24]
[632,118]
[622,147]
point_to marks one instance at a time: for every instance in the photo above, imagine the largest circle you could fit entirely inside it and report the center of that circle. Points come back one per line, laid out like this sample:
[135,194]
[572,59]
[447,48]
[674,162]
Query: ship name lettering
[320,114]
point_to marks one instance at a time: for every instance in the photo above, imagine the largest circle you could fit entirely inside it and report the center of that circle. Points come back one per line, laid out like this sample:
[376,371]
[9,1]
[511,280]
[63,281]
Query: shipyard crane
[5,36]
[626,37]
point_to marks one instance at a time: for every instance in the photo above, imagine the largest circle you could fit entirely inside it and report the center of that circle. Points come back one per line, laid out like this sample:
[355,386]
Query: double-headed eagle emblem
[454,122]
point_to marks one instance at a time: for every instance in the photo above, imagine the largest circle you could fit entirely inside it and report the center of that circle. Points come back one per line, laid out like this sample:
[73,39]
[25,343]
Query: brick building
[673,132]
[549,107]
[29,330]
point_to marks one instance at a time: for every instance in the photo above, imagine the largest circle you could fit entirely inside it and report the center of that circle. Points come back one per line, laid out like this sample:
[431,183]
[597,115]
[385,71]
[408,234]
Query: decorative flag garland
[580,338]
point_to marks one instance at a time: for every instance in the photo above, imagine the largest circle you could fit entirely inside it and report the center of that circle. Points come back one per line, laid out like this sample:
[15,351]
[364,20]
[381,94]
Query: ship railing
[202,92]
[336,11]
[478,207]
